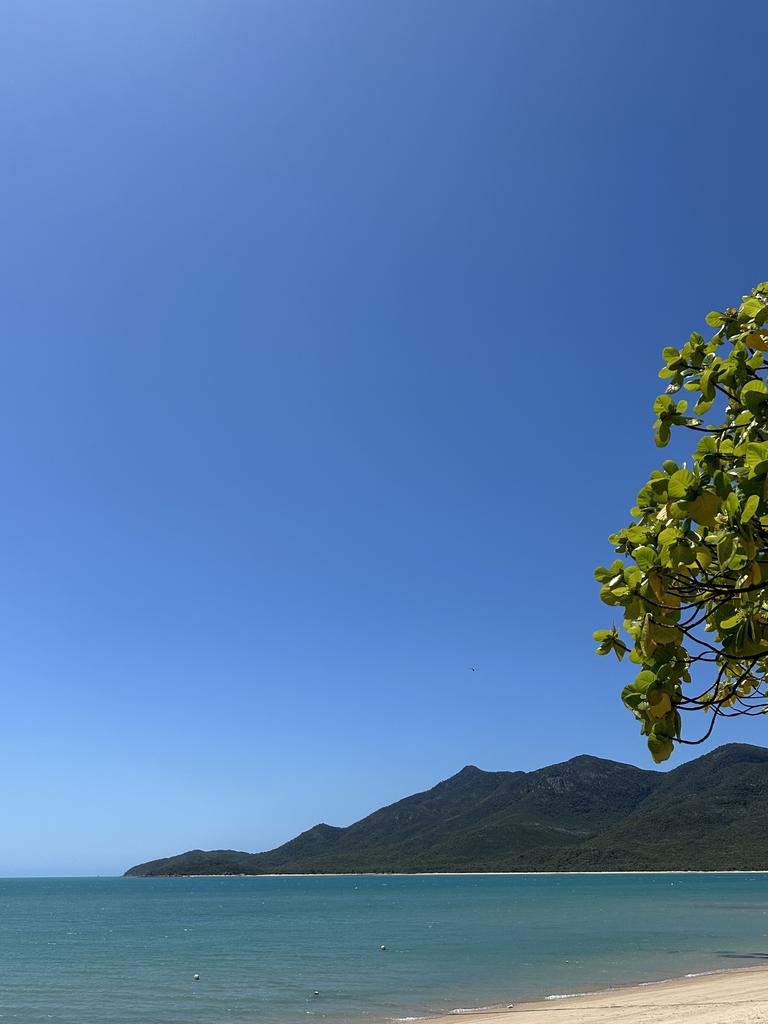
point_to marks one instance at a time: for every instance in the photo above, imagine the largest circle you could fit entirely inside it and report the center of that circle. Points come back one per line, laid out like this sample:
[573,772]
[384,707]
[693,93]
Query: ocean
[286,950]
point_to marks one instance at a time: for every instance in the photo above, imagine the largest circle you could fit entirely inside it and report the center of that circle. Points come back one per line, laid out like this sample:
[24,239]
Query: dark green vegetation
[583,815]
[693,576]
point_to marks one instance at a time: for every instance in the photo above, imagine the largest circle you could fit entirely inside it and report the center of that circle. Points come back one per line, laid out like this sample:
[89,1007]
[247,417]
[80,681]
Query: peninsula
[586,814]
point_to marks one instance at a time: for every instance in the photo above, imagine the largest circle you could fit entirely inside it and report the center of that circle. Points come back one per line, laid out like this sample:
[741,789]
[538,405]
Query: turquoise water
[93,951]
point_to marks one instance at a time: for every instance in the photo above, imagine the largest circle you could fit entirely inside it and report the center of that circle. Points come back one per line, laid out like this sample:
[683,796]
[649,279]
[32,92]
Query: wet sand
[731,997]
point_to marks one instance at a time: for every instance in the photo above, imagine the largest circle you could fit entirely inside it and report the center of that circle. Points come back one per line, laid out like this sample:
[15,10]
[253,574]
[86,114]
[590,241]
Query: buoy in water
[195,977]
[382,947]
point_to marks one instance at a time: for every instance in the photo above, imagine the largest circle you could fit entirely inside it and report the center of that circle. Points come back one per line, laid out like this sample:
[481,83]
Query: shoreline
[735,995]
[454,874]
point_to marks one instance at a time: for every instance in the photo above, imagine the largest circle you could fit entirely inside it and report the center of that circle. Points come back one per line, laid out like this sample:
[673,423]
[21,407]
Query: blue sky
[331,337]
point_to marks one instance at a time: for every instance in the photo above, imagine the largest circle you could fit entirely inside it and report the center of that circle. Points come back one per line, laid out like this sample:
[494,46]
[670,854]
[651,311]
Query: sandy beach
[732,997]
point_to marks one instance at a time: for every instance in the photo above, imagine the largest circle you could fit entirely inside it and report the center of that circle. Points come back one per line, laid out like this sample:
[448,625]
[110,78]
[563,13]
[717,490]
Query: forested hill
[586,814]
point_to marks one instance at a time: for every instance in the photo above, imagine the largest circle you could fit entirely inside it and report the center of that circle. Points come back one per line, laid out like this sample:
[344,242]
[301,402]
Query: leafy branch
[692,576]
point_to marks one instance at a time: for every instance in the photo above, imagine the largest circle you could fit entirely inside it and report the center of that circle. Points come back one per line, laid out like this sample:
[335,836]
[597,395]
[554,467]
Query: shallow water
[93,951]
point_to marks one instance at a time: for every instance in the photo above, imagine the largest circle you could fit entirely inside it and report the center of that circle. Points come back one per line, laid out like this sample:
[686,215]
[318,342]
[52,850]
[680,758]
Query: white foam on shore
[570,995]
[636,984]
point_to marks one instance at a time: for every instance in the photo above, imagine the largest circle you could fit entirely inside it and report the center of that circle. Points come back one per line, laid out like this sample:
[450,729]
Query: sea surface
[124,951]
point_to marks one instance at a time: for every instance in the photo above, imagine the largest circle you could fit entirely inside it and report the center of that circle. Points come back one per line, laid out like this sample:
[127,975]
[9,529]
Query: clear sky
[330,338]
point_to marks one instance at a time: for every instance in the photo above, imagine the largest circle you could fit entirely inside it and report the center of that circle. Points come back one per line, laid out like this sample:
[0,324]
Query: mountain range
[586,814]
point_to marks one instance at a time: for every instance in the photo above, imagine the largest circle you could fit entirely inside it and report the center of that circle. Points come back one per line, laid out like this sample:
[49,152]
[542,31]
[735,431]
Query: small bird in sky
[472,669]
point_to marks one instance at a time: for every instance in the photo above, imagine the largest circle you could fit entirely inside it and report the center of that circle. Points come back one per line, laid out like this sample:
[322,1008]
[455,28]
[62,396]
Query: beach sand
[733,997]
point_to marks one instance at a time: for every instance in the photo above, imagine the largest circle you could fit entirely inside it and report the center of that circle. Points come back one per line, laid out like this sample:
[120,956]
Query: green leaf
[680,483]
[757,340]
[645,557]
[703,405]
[707,446]
[707,387]
[636,534]
[664,406]
[703,556]
[632,698]
[662,634]
[715,319]
[724,549]
[644,679]
[753,395]
[662,436]
[750,507]
[733,621]
[703,508]
[750,308]
[756,458]
[659,704]
[660,747]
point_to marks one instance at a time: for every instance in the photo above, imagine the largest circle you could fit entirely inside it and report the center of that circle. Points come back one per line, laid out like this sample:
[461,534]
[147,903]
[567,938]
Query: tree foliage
[692,576]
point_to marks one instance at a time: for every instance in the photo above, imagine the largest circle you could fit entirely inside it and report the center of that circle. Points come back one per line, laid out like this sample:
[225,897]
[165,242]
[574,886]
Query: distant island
[586,814]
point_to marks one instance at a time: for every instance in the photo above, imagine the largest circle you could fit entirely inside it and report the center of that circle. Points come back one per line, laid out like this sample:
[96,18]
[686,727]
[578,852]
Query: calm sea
[95,951]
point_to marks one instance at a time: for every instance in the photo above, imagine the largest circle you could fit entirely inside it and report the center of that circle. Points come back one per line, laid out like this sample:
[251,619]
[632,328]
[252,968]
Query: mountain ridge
[586,814]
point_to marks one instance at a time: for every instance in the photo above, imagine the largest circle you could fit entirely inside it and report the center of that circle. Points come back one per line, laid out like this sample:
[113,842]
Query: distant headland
[586,814]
